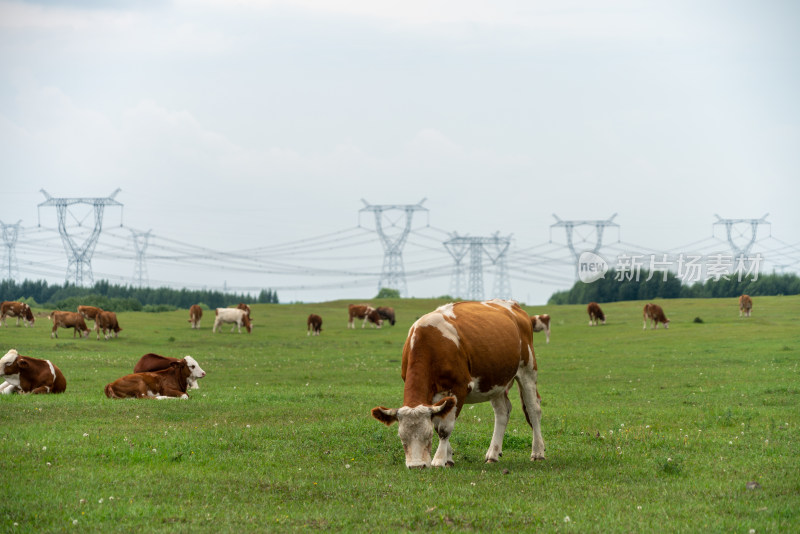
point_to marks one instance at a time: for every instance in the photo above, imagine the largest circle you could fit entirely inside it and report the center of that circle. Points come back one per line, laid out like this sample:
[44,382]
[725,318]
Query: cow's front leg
[502,409]
[444,452]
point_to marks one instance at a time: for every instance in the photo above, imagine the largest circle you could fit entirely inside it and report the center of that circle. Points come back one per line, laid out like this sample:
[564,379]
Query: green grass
[645,430]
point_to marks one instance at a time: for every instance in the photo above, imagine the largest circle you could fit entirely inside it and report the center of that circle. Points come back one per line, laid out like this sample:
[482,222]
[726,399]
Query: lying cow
[24,374]
[195,314]
[745,306]
[232,315]
[467,352]
[653,312]
[107,322]
[65,319]
[366,312]
[595,314]
[386,313]
[20,310]
[314,323]
[89,312]
[541,323]
[165,384]
[155,362]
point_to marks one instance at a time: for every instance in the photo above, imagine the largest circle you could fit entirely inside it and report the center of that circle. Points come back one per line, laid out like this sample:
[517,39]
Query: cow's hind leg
[532,406]
[502,409]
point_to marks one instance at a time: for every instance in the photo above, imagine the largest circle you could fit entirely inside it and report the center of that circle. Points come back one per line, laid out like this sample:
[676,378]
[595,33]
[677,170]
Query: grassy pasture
[645,430]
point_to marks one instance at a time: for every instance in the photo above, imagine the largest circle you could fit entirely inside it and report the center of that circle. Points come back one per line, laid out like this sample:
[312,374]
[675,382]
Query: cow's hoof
[534,458]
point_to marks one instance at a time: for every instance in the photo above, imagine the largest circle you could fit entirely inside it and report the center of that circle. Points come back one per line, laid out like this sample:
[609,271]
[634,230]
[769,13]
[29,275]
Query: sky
[239,125]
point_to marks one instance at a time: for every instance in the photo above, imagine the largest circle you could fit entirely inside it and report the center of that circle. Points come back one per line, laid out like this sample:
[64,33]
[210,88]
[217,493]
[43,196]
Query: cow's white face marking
[9,358]
[415,428]
[195,369]
[438,321]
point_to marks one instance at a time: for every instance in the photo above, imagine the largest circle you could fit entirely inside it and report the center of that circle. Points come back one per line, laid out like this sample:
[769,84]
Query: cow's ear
[384,415]
[23,364]
[443,407]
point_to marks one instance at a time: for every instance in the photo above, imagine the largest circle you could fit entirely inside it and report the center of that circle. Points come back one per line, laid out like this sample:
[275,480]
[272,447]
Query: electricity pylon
[569,227]
[393,275]
[740,251]
[140,242]
[79,256]
[495,248]
[10,233]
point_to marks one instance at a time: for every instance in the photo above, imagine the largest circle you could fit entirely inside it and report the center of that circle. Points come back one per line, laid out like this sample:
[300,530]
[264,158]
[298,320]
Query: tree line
[122,298]
[610,289]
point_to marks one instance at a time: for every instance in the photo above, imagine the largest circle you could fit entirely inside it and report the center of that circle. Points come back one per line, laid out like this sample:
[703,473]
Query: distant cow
[653,312]
[232,315]
[464,353]
[89,312]
[595,314]
[314,324]
[541,323]
[195,314]
[24,374]
[155,362]
[386,313]
[20,310]
[66,319]
[745,305]
[167,383]
[107,322]
[245,307]
[366,312]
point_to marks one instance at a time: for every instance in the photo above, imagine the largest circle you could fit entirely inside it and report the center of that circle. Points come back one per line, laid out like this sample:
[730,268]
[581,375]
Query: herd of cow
[462,353]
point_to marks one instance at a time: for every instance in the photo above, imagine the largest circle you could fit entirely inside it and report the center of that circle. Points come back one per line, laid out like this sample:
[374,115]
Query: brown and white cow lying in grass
[541,323]
[653,312]
[20,310]
[165,384]
[195,314]
[232,315]
[464,353]
[155,362]
[745,305]
[595,313]
[366,312]
[314,323]
[65,319]
[23,374]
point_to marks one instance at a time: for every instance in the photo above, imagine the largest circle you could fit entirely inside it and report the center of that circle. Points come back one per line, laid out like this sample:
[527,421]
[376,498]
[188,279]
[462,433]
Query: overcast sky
[239,124]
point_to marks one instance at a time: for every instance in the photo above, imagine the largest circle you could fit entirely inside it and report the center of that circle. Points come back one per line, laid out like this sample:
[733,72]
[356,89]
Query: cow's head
[196,373]
[28,313]
[247,323]
[8,363]
[415,428]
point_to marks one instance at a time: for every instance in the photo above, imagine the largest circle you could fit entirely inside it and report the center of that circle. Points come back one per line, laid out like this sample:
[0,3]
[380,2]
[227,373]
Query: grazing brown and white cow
[67,319]
[24,374]
[386,313]
[541,323]
[195,314]
[232,315]
[107,322]
[653,312]
[314,324]
[245,307]
[155,362]
[20,310]
[165,384]
[89,312]
[467,352]
[745,305]
[595,314]
[366,312]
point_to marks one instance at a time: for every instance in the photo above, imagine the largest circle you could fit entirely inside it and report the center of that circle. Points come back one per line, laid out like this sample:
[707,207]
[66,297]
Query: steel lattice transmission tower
[79,256]
[10,234]
[729,225]
[393,275]
[569,227]
[140,242]
[495,248]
